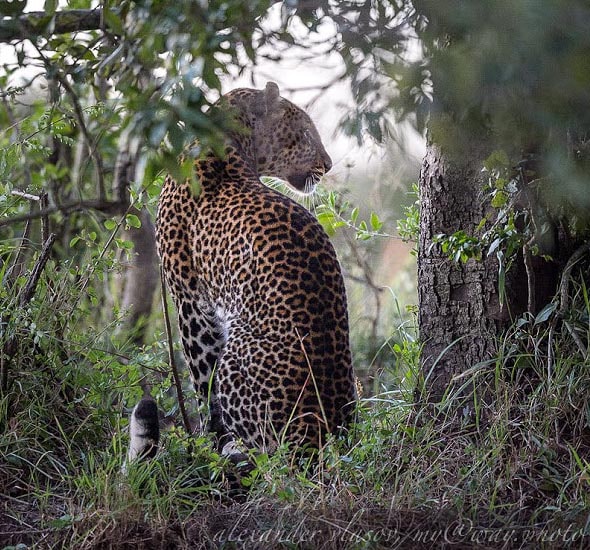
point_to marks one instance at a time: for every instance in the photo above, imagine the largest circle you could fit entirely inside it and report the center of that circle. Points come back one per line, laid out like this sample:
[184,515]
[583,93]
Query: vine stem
[171,360]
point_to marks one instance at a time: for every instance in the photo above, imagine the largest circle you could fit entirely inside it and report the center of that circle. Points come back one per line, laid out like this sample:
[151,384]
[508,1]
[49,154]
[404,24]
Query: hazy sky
[300,80]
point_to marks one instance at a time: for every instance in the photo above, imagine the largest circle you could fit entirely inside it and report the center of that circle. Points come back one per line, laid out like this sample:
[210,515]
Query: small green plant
[459,246]
[510,226]
[408,227]
[516,222]
[334,212]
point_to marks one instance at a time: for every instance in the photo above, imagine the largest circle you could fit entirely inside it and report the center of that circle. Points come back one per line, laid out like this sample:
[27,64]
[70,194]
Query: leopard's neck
[239,160]
[238,164]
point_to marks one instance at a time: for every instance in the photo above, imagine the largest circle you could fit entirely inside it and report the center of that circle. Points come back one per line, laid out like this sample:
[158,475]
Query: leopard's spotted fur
[257,285]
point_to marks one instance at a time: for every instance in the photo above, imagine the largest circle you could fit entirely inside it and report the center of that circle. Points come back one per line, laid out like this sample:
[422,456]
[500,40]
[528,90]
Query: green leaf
[126,245]
[545,313]
[74,240]
[332,200]
[499,199]
[376,223]
[110,224]
[326,220]
[132,220]
[50,6]
[195,187]
[501,183]
[113,21]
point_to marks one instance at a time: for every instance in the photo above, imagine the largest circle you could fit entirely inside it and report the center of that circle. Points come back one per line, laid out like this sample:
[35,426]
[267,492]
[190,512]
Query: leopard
[257,285]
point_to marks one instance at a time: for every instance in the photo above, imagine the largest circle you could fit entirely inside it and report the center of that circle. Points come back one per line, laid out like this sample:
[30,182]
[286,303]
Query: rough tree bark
[459,308]
[141,276]
[460,315]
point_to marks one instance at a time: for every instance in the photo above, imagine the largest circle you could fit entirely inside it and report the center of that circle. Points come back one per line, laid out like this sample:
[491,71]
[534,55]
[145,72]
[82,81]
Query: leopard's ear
[267,100]
[272,96]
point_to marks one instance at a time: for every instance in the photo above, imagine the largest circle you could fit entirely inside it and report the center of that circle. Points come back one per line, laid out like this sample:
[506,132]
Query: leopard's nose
[327,164]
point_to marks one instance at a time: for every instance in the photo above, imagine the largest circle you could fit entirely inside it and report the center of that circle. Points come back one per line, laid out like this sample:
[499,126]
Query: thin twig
[108,243]
[43,204]
[530,276]
[376,290]
[79,115]
[19,262]
[7,351]
[24,195]
[171,360]
[92,150]
[29,289]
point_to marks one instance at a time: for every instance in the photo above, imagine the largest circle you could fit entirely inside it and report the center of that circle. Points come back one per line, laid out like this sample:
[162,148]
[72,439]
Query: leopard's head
[282,139]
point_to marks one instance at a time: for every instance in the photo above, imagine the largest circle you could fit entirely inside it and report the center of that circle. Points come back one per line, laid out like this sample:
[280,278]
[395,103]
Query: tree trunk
[459,308]
[142,277]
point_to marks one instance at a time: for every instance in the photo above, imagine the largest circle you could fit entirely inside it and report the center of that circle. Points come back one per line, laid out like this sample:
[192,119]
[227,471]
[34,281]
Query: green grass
[404,477]
[505,466]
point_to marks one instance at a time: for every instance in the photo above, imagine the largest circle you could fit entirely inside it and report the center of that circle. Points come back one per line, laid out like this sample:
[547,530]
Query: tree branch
[35,23]
[92,150]
[8,349]
[107,207]
[30,287]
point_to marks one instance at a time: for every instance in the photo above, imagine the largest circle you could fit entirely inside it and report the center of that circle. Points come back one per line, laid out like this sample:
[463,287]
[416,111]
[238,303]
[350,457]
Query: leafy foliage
[514,73]
[515,463]
[333,213]
[408,226]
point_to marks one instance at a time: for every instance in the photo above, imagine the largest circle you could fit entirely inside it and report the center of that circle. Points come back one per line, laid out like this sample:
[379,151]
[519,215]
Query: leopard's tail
[144,431]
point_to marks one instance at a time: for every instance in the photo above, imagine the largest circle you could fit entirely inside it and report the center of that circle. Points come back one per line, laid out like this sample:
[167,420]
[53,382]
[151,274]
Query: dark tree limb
[35,23]
[8,349]
[29,289]
[106,207]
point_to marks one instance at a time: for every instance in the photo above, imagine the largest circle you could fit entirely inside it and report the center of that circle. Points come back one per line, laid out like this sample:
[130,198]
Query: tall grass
[503,461]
